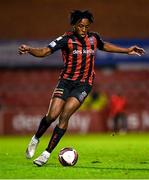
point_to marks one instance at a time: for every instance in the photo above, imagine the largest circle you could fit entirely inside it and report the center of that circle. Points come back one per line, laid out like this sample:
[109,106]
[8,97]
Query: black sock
[56,136]
[43,126]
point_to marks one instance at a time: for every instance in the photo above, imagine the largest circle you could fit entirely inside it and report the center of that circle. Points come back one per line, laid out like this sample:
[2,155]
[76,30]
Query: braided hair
[77,15]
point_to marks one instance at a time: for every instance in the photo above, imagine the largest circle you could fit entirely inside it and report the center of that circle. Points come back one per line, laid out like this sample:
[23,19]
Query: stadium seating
[29,92]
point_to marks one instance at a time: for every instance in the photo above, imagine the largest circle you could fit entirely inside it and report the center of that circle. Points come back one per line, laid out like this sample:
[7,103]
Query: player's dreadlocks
[77,15]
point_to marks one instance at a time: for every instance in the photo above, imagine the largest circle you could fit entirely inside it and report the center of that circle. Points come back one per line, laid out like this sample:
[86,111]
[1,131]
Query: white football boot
[30,151]
[42,159]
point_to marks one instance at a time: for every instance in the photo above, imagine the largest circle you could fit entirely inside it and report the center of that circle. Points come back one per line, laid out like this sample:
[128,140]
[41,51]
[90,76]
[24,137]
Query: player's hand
[23,49]
[135,50]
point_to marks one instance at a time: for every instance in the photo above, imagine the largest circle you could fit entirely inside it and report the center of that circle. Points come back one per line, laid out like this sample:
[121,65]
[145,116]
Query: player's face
[82,27]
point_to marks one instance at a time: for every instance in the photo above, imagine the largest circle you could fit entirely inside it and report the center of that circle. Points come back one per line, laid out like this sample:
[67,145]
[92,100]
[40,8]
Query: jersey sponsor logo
[77,52]
[88,51]
[53,44]
[84,51]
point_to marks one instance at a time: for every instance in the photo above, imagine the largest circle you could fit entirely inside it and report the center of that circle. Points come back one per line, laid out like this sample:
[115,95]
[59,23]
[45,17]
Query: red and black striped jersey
[78,55]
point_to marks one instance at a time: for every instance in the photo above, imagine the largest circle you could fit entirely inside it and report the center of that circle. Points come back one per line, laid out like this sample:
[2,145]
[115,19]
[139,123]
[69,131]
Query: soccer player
[78,48]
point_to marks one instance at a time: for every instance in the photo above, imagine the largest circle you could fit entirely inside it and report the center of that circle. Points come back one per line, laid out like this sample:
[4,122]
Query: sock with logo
[56,136]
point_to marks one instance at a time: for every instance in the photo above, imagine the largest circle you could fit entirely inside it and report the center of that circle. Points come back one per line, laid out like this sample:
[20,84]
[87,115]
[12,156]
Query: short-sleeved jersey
[78,55]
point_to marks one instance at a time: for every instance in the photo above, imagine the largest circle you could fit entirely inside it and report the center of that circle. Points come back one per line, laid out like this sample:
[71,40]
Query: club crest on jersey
[91,39]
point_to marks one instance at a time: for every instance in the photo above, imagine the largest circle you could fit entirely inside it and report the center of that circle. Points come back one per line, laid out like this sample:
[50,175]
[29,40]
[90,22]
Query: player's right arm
[58,43]
[37,52]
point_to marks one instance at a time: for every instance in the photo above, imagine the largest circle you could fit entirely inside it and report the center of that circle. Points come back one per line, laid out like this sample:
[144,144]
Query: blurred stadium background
[26,83]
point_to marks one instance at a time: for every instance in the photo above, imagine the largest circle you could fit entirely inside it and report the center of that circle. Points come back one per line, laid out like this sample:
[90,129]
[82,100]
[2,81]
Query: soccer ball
[68,156]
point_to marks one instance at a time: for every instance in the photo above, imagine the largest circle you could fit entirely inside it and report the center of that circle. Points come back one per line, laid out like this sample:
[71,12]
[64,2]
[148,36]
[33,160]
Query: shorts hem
[59,97]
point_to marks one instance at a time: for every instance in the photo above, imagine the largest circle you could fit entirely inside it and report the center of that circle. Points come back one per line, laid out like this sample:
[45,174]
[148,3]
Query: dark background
[42,19]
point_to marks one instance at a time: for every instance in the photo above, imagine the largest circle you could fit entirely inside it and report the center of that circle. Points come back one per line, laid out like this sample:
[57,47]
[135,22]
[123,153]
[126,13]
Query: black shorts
[68,88]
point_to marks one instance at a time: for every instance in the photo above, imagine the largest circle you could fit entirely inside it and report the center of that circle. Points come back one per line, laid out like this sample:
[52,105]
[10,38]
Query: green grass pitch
[100,156]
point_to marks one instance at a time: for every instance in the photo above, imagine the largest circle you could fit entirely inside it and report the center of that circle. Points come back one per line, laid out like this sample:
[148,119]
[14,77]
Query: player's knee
[51,117]
[52,114]
[64,116]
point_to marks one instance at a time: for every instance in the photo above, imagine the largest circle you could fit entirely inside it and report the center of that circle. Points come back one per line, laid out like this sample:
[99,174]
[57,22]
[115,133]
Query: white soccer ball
[68,156]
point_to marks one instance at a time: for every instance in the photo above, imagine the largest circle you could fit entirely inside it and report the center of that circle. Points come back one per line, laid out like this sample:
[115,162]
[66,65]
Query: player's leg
[71,105]
[55,108]
[76,97]
[57,102]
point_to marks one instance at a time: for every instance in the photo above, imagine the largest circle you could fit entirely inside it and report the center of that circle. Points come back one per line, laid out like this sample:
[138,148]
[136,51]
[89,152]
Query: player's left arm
[133,50]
